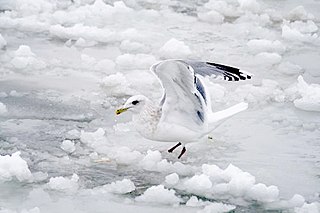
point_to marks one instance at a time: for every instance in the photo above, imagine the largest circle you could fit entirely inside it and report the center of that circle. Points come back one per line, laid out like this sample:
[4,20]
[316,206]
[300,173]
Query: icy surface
[65,66]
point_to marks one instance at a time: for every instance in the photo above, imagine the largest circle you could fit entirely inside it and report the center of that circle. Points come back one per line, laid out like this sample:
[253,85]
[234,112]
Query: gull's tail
[217,118]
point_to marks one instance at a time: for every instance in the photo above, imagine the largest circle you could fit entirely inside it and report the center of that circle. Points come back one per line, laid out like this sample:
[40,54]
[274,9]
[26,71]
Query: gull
[184,113]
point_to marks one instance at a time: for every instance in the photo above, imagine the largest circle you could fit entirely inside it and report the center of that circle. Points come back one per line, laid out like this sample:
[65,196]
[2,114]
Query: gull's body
[184,113]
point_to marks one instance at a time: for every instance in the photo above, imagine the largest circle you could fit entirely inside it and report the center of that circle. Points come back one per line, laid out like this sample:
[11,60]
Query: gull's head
[133,104]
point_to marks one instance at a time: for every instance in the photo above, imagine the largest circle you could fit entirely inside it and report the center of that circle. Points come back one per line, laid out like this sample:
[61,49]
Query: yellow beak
[121,110]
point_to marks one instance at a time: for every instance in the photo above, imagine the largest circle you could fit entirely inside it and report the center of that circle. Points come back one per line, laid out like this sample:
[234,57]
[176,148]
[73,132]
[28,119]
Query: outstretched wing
[219,71]
[183,101]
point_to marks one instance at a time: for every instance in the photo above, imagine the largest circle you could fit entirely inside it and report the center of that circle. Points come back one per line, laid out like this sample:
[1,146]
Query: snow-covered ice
[65,66]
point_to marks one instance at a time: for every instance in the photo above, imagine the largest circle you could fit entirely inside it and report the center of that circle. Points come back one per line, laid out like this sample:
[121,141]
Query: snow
[68,146]
[64,184]
[13,166]
[159,195]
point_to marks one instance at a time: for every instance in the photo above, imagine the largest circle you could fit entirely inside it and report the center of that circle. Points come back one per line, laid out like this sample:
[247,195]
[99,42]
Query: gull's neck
[146,121]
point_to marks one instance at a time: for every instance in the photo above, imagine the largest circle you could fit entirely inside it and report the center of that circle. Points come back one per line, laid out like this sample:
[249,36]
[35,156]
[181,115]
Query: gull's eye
[135,102]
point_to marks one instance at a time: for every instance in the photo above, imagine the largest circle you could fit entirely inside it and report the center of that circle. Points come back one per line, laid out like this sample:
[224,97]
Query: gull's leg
[182,152]
[174,147]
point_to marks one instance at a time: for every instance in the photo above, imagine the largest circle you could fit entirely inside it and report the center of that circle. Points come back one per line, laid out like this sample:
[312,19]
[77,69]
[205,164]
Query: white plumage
[184,113]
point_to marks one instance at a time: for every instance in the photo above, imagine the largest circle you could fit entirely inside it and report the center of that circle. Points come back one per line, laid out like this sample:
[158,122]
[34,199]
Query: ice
[310,96]
[222,7]
[138,61]
[3,95]
[120,187]
[73,134]
[217,208]
[68,146]
[268,59]
[249,5]
[159,195]
[263,45]
[14,167]
[300,31]
[175,49]
[289,68]
[64,184]
[299,13]
[116,85]
[198,184]
[25,59]
[3,108]
[211,17]
[65,66]
[3,42]
[308,208]
[172,179]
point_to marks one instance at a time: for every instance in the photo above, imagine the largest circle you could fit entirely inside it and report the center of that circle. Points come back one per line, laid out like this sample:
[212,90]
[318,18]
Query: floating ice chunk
[68,146]
[83,43]
[223,8]
[25,58]
[14,93]
[310,96]
[89,33]
[212,16]
[3,42]
[64,184]
[150,161]
[14,166]
[3,108]
[249,5]
[217,208]
[133,47]
[172,179]
[294,33]
[198,184]
[33,210]
[268,59]
[24,51]
[299,13]
[175,49]
[34,7]
[73,134]
[138,61]
[3,95]
[194,202]
[159,195]
[289,68]
[105,65]
[116,85]
[264,193]
[308,208]
[263,45]
[125,156]
[120,187]
[94,139]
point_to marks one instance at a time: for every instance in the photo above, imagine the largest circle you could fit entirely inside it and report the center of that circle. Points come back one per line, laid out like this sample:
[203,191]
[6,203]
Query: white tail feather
[217,116]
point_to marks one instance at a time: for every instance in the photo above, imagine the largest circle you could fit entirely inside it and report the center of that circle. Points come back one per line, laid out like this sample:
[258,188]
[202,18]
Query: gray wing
[182,102]
[218,71]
